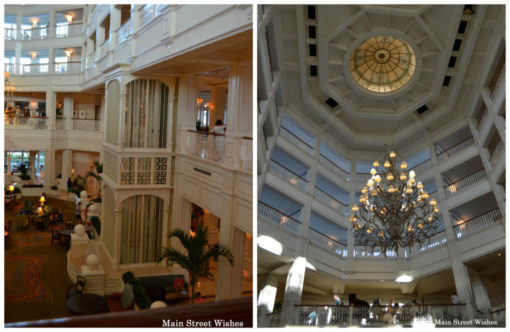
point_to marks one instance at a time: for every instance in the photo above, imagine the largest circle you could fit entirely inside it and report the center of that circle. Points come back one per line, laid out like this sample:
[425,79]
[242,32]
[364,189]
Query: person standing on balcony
[219,127]
[311,317]
[338,300]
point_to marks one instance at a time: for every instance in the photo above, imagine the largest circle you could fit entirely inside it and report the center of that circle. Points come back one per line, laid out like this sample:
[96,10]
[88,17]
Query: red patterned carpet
[23,279]
[30,238]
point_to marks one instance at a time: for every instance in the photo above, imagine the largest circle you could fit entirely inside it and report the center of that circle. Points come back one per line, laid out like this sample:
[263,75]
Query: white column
[116,250]
[68,111]
[31,164]
[53,26]
[115,16]
[51,112]
[186,111]
[266,299]
[49,168]
[120,137]
[66,167]
[480,295]
[461,279]
[293,291]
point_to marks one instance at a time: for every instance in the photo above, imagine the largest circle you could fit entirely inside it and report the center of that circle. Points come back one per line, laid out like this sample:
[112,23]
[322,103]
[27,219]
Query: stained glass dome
[383,64]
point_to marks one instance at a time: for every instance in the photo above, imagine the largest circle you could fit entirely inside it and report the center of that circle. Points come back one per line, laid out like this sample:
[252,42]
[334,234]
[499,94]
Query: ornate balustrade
[10,67]
[464,182]
[124,31]
[330,201]
[360,251]
[376,315]
[205,145]
[87,124]
[69,30]
[25,123]
[296,140]
[454,149]
[9,33]
[60,124]
[35,33]
[332,165]
[486,219]
[436,240]
[326,242]
[277,217]
[73,67]
[286,174]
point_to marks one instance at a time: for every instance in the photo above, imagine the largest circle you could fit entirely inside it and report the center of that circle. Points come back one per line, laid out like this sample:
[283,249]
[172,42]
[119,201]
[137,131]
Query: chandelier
[394,210]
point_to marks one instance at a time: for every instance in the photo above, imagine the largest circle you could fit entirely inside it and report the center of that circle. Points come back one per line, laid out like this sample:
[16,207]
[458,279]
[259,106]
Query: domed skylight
[383,64]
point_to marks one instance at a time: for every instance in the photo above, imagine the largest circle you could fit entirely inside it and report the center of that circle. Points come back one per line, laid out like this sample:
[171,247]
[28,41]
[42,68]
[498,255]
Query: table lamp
[11,188]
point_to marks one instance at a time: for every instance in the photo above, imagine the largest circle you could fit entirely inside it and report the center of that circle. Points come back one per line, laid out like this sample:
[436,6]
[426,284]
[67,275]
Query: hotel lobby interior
[381,166]
[127,143]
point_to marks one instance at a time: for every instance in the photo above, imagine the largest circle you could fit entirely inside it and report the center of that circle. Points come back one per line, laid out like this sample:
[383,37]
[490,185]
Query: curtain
[108,222]
[141,229]
[112,112]
[147,114]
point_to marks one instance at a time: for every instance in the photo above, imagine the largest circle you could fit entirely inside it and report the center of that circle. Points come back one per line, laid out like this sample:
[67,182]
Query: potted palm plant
[196,255]
[97,175]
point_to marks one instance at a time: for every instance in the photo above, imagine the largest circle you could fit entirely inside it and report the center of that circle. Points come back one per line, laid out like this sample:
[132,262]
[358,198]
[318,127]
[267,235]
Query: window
[62,29]
[10,30]
[61,64]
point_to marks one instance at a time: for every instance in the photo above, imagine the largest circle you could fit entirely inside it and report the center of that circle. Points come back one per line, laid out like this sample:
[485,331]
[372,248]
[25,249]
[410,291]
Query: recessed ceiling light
[499,254]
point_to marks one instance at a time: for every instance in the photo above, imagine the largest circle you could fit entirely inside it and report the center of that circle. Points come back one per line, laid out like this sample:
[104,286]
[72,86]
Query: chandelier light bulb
[381,234]
[369,230]
[352,219]
[420,226]
[436,210]
[412,180]
[387,164]
[364,190]
[373,192]
[412,174]
[409,190]
[433,202]
[419,185]
[392,154]
[377,178]
[403,177]
[373,171]
[431,218]
[355,208]
[370,183]
[425,195]
[403,165]
[410,229]
[390,177]
[376,164]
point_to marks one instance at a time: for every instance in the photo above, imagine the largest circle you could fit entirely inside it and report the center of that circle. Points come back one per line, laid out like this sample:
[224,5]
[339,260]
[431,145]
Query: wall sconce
[200,101]
[69,18]
[34,21]
[68,52]
[72,171]
[11,188]
[34,55]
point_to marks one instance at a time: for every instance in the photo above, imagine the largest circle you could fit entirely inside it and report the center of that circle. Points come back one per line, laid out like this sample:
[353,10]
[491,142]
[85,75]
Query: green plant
[23,169]
[96,223]
[141,296]
[196,255]
[54,187]
[59,176]
[96,175]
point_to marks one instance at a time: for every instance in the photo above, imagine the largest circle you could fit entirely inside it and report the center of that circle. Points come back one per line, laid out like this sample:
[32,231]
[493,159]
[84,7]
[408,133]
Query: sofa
[165,287]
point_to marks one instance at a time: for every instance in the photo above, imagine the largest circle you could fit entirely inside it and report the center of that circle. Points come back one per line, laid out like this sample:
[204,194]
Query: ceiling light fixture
[394,211]
[404,278]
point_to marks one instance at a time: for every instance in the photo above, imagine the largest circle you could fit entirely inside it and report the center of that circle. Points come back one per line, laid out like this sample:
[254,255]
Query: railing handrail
[280,212]
[463,178]
[379,305]
[49,63]
[331,196]
[204,133]
[478,216]
[299,176]
[287,130]
[84,119]
[316,231]
[74,23]
[331,161]
[451,147]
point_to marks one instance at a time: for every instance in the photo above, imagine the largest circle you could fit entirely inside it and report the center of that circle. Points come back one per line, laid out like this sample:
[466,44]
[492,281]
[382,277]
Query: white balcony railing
[376,315]
[87,124]
[473,224]
[124,31]
[296,140]
[105,47]
[246,153]
[466,181]
[330,201]
[9,33]
[327,242]
[330,164]
[10,67]
[447,153]
[35,33]
[436,240]
[360,251]
[205,145]
[69,29]
[287,175]
[25,123]
[34,68]
[68,67]
[498,152]
[277,217]
[60,124]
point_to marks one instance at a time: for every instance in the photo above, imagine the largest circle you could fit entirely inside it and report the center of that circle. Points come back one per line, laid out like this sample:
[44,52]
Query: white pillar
[186,111]
[481,298]
[68,111]
[116,249]
[266,299]
[31,164]
[293,291]
[461,279]
[219,101]
[51,112]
